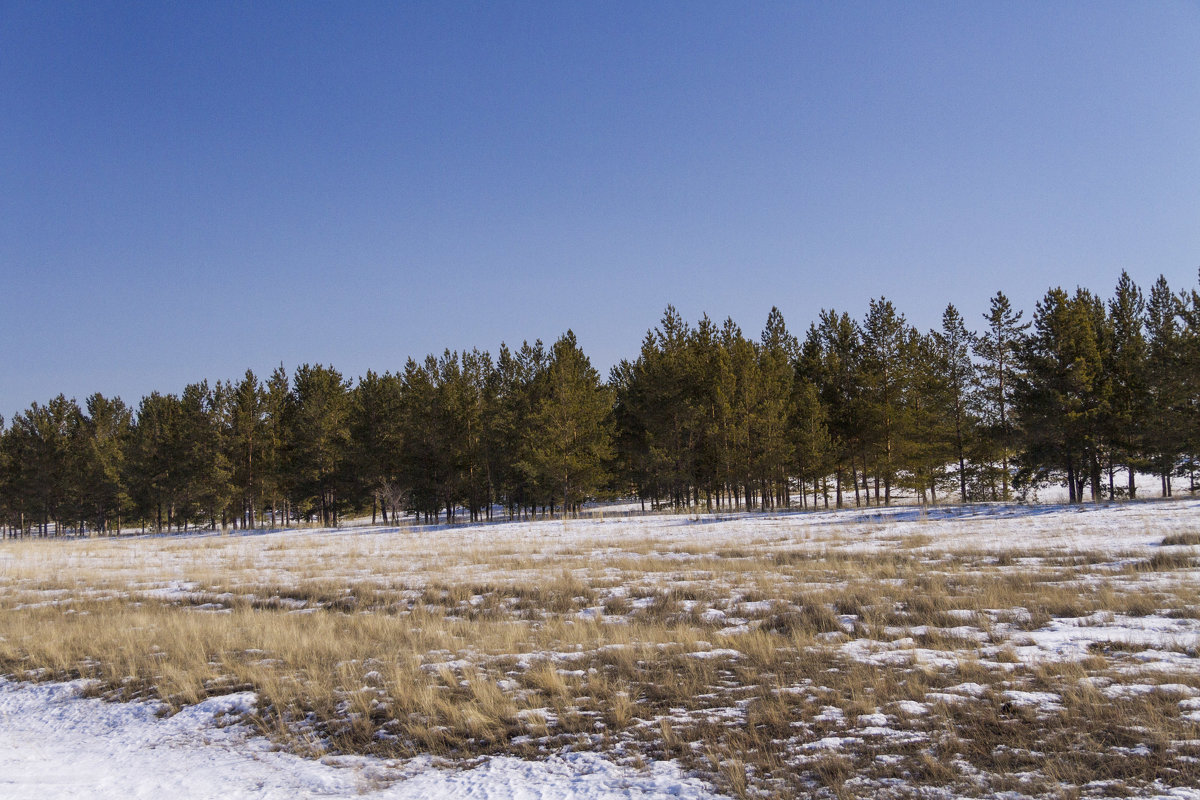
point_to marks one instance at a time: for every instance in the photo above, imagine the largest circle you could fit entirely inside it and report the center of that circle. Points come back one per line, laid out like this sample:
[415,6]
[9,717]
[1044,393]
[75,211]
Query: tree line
[1087,392]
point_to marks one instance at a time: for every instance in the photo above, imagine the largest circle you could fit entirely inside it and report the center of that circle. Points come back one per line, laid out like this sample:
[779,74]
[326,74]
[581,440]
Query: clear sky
[191,189]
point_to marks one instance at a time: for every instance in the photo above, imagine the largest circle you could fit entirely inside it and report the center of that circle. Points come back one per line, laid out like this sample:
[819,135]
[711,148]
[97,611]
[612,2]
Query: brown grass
[398,645]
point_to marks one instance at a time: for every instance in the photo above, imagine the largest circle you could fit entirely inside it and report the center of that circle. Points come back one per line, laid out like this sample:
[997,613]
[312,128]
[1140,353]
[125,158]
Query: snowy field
[55,744]
[1029,651]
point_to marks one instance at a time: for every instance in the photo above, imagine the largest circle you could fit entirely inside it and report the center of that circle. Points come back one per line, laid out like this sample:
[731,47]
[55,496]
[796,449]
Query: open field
[1043,651]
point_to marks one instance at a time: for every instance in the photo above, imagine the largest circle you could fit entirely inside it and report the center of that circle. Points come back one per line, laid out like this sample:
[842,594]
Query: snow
[1068,638]
[720,652]
[1042,701]
[912,708]
[56,744]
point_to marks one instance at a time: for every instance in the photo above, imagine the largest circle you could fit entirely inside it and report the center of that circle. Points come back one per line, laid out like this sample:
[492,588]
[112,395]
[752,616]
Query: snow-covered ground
[56,745]
[1113,608]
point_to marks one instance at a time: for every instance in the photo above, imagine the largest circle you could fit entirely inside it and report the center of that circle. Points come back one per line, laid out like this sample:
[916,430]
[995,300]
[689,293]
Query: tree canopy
[704,416]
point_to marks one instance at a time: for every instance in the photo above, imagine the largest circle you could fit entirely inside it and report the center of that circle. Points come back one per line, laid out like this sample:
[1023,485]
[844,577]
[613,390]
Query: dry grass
[653,646]
[1182,538]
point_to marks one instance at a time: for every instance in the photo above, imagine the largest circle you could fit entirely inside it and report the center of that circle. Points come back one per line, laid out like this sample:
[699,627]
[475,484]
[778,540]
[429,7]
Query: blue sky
[191,189]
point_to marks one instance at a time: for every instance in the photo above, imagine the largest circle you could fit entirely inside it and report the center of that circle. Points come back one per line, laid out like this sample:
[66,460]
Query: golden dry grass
[726,656]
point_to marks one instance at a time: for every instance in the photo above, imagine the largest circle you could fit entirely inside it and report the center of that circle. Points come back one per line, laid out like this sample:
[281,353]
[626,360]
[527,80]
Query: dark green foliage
[40,481]
[317,422]
[99,453]
[832,359]
[1062,396]
[704,417]
[886,375]
[248,441]
[952,374]
[376,440]
[568,440]
[1126,366]
[997,349]
[812,446]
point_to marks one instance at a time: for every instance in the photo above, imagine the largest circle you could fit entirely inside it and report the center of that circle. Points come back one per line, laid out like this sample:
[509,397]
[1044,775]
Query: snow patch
[56,745]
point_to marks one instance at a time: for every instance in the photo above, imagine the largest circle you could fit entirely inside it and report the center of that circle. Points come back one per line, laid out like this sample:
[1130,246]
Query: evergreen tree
[571,438]
[248,441]
[318,438]
[376,439]
[997,350]
[930,406]
[630,473]
[39,456]
[770,434]
[275,441]
[7,522]
[1126,368]
[710,370]
[811,443]
[745,387]
[470,386]
[425,457]
[512,405]
[834,356]
[103,436]
[1189,376]
[1061,395]
[951,357]
[152,457]
[202,470]
[668,409]
[1165,387]
[885,378]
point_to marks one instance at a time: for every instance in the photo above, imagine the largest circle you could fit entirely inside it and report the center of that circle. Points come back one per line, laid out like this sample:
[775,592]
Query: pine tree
[952,359]
[885,377]
[664,400]
[7,519]
[997,349]
[629,473]
[100,447]
[834,357]
[376,440]
[475,387]
[1165,387]
[1126,369]
[39,455]
[708,366]
[571,433]
[1061,394]
[770,434]
[745,388]
[202,467]
[1189,375]
[152,458]
[318,437]
[459,409]
[929,407]
[275,442]
[811,443]
[248,442]
[509,421]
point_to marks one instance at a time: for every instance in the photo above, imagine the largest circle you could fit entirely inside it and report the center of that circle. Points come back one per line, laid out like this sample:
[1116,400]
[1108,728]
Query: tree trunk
[962,474]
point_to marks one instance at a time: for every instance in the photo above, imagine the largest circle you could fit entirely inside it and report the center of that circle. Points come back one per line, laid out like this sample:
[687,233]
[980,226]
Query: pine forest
[1085,392]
